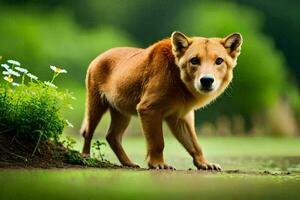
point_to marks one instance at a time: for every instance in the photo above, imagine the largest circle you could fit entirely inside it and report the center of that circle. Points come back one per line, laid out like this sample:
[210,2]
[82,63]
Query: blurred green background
[263,98]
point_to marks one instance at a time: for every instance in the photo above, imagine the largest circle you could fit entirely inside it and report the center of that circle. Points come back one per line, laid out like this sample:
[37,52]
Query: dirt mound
[16,152]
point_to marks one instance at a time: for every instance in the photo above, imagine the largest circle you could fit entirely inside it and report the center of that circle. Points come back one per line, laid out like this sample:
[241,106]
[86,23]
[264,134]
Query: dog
[167,81]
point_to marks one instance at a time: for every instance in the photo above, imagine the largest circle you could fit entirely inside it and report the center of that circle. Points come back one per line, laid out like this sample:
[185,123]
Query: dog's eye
[195,61]
[219,61]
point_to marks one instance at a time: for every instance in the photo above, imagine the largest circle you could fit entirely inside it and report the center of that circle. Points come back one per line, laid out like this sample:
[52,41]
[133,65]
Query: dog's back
[121,74]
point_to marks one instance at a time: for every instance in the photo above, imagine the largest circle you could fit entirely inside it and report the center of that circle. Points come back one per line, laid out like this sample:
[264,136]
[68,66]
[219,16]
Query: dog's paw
[208,166]
[131,165]
[160,166]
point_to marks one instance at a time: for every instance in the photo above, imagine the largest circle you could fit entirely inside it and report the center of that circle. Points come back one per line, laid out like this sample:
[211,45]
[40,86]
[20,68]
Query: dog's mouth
[204,90]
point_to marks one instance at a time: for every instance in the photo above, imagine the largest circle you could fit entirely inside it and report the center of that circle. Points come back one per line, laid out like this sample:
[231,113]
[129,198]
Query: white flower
[5,73]
[14,62]
[69,124]
[58,70]
[12,72]
[8,78]
[15,84]
[50,84]
[5,66]
[32,76]
[20,69]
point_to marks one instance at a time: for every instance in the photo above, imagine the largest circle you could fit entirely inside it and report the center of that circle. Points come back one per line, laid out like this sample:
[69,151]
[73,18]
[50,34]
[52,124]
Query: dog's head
[206,64]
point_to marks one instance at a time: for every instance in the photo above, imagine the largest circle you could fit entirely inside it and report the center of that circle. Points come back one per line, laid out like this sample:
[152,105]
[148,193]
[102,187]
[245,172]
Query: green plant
[69,142]
[31,108]
[97,146]
[74,157]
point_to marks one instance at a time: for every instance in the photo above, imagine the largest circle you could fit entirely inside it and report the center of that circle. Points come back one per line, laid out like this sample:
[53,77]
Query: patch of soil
[16,152]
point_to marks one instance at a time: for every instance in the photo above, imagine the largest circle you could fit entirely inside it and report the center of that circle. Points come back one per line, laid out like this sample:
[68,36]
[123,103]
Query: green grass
[251,155]
[244,153]
[126,184]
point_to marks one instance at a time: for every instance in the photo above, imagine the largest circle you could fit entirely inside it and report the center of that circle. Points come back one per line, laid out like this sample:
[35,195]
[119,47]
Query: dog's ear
[233,44]
[180,42]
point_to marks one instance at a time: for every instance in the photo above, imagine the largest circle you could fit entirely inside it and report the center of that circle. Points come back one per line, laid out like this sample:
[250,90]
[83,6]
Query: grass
[244,153]
[126,184]
[251,155]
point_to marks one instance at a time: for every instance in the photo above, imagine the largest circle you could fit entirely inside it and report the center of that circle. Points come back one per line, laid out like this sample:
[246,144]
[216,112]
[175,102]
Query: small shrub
[74,157]
[97,146]
[69,143]
[31,108]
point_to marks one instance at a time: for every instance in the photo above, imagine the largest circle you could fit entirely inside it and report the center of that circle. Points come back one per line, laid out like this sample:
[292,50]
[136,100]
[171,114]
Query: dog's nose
[206,82]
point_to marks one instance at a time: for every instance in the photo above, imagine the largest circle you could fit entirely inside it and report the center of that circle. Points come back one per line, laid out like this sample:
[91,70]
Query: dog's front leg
[183,129]
[151,121]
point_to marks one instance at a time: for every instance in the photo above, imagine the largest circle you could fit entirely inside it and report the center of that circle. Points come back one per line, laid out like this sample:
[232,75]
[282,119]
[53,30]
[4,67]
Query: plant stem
[23,79]
[54,76]
[37,144]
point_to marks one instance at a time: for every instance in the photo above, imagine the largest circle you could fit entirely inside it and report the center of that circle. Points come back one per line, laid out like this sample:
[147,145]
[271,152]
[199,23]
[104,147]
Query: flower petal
[5,66]
[32,76]
[8,79]
[14,62]
[20,69]
[58,70]
[50,84]
[15,84]
[12,72]
[53,68]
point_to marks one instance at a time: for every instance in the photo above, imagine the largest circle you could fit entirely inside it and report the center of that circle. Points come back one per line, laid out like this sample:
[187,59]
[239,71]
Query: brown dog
[166,81]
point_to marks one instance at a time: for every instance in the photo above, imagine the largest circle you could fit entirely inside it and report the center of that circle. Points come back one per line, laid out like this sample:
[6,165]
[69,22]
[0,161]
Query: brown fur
[157,83]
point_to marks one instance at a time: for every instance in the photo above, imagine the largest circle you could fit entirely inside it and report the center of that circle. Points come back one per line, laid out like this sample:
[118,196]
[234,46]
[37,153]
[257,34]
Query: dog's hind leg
[95,108]
[118,125]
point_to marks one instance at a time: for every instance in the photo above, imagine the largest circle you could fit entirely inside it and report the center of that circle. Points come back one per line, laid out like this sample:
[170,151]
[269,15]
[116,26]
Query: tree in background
[260,77]
[72,33]
[39,39]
